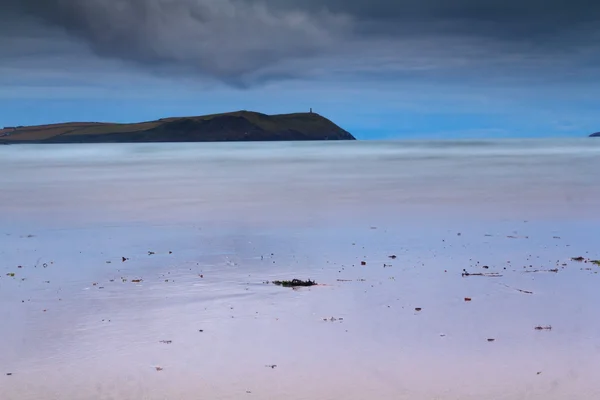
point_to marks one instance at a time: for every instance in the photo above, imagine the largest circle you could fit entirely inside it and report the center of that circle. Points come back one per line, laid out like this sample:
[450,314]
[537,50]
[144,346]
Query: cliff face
[236,126]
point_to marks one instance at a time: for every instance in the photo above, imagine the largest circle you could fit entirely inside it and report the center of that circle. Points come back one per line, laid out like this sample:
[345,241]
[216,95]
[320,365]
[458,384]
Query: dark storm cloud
[226,39]
[508,11]
[246,41]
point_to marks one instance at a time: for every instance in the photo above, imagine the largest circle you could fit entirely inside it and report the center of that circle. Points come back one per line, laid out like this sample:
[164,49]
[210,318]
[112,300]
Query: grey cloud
[226,39]
[533,15]
[243,42]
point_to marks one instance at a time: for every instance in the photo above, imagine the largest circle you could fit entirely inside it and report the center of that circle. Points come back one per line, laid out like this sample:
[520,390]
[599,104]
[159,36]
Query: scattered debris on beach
[294,283]
[531,265]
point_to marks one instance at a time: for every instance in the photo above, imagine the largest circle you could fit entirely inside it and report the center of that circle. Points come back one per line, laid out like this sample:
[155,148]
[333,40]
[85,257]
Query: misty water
[203,228]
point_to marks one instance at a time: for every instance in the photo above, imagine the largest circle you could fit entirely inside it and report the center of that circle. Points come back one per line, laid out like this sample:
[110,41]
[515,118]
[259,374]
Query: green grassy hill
[233,126]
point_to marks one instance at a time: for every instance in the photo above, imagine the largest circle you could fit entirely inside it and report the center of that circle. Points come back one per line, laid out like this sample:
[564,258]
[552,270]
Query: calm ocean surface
[164,181]
[141,271]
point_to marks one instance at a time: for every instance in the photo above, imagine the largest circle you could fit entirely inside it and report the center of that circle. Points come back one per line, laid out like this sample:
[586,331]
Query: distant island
[228,127]
[597,134]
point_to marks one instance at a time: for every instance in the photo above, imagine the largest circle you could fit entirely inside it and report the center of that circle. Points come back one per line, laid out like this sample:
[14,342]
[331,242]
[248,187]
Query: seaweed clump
[294,283]
[543,328]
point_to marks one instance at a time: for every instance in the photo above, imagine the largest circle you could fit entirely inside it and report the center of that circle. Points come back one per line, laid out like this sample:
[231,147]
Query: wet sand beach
[445,270]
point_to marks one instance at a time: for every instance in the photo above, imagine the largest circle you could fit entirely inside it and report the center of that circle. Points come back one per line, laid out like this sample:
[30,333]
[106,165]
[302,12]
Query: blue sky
[516,75]
[400,110]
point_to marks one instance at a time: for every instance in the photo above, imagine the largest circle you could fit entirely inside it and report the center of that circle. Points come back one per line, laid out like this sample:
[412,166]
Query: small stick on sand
[488,274]
[555,270]
[519,290]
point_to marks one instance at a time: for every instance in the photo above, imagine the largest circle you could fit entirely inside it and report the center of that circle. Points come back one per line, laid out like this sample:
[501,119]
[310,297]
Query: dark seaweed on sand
[294,283]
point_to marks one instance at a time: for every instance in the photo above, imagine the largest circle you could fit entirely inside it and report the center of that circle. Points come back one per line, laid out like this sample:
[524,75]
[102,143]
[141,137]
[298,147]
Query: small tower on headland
[311,110]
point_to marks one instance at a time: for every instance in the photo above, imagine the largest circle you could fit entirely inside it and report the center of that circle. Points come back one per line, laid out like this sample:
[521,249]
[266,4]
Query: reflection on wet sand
[148,280]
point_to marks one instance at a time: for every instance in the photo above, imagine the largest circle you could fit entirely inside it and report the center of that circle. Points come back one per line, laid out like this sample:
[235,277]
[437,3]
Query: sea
[450,269]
